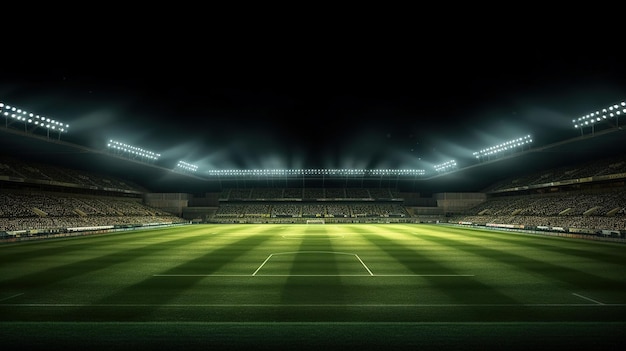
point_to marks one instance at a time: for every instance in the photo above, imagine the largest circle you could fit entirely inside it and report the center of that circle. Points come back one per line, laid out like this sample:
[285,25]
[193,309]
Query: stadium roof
[342,104]
[476,177]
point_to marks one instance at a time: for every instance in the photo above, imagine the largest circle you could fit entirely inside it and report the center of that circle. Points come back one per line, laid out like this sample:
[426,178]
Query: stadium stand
[586,197]
[39,200]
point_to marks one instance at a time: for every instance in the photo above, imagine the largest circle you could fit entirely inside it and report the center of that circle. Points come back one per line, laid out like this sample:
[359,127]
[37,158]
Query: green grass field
[327,286]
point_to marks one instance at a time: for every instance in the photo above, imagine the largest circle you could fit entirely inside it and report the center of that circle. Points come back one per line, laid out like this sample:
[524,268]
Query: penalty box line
[313,275]
[369,272]
[312,252]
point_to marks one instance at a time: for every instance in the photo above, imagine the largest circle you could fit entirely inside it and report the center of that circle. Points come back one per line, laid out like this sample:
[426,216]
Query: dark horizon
[400,112]
[155,178]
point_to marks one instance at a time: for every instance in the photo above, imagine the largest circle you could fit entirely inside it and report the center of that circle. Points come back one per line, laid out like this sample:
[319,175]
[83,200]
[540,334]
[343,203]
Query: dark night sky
[312,105]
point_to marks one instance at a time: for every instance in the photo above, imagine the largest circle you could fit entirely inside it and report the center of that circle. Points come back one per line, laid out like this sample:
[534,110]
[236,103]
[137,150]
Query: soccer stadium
[520,247]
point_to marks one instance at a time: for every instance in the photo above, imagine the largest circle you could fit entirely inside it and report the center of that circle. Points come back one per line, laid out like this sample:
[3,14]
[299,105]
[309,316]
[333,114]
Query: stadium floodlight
[31,122]
[594,118]
[185,166]
[500,149]
[132,152]
[314,172]
[396,172]
[446,166]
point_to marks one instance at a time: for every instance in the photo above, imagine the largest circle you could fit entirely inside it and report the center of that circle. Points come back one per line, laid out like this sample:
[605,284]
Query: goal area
[315,221]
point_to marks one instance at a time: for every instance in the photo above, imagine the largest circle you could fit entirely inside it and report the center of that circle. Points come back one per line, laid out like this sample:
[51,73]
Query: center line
[588,299]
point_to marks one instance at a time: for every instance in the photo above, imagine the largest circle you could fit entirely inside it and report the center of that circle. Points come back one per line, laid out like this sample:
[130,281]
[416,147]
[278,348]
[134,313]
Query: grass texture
[406,286]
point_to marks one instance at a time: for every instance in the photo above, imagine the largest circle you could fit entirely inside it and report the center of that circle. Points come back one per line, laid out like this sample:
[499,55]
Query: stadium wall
[204,200]
[199,214]
[173,203]
[451,203]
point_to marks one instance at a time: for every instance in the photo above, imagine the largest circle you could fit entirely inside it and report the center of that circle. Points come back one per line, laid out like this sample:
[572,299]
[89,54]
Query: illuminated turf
[357,276]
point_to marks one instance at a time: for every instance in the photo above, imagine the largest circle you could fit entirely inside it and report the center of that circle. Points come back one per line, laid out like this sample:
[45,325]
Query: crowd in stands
[308,193]
[594,209]
[596,168]
[310,210]
[15,168]
[39,211]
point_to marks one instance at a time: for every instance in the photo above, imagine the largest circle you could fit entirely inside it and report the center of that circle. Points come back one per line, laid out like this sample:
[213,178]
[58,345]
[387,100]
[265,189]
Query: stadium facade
[366,196]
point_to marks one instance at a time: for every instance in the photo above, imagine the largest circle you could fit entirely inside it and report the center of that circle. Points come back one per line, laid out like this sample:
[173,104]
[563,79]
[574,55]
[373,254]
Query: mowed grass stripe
[603,252]
[604,259]
[379,262]
[37,249]
[243,248]
[574,253]
[459,289]
[281,238]
[448,257]
[314,336]
[91,259]
[328,289]
[552,269]
[56,253]
[315,256]
[96,272]
[157,291]
[527,287]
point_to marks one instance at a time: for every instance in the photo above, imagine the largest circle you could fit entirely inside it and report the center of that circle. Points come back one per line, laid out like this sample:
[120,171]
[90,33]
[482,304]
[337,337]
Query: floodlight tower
[132,152]
[446,166]
[187,167]
[32,122]
[509,146]
[342,172]
[597,117]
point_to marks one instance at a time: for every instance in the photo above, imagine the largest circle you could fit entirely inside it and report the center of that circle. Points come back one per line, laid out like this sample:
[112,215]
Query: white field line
[370,274]
[313,305]
[262,264]
[313,275]
[588,299]
[313,236]
[307,252]
[359,258]
[298,252]
[10,297]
